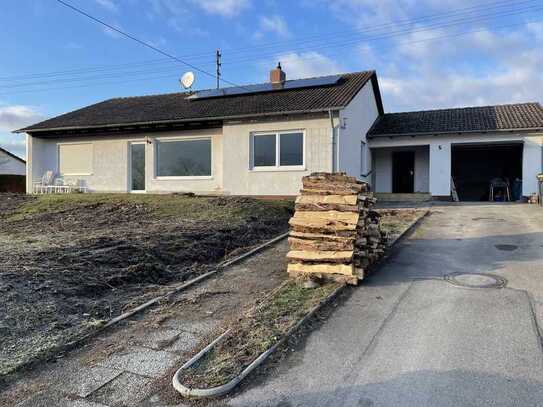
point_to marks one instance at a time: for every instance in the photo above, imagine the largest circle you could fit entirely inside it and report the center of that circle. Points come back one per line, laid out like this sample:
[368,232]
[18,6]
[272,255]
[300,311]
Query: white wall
[440,155]
[231,172]
[240,179]
[110,162]
[10,165]
[358,117]
[382,168]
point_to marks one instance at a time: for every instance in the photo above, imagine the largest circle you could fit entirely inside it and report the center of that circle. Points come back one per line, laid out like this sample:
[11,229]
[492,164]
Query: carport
[474,166]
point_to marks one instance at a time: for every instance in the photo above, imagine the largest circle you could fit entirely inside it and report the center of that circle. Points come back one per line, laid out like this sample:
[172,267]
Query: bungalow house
[250,140]
[261,139]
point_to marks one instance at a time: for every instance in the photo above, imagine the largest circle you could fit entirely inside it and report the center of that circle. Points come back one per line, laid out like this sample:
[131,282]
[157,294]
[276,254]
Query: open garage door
[475,167]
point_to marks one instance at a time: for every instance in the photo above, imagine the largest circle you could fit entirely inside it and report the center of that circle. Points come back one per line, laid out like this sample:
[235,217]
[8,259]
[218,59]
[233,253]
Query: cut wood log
[319,245]
[334,231]
[344,269]
[330,221]
[347,237]
[338,278]
[328,199]
[313,207]
[321,256]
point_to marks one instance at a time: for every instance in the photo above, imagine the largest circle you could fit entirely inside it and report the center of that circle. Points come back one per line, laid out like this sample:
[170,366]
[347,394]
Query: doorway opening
[403,172]
[487,172]
[137,167]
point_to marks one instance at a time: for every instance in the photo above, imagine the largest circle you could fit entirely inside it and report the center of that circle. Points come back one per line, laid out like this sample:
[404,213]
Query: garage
[487,172]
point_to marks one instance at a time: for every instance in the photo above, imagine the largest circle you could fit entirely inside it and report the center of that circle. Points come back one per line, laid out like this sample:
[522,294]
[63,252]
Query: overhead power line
[125,75]
[145,44]
[206,57]
[152,77]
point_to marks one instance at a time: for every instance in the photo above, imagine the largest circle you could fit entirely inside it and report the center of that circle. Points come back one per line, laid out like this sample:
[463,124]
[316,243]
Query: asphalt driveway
[408,337]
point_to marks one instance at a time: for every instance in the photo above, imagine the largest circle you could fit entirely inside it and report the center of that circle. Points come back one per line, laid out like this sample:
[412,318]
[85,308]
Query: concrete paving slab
[185,342]
[49,399]
[85,380]
[156,401]
[156,339]
[128,389]
[140,360]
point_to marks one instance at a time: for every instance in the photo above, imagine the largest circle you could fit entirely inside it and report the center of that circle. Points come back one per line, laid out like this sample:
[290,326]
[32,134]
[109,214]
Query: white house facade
[463,149]
[262,139]
[253,143]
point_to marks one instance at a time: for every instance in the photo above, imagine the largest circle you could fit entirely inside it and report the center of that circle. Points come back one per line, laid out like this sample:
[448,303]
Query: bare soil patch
[69,263]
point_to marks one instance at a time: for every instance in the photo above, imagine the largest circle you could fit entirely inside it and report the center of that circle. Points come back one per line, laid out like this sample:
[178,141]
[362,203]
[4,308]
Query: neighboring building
[424,151]
[250,140]
[10,164]
[261,139]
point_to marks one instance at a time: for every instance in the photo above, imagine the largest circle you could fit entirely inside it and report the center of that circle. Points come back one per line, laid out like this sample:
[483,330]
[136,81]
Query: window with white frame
[283,149]
[183,158]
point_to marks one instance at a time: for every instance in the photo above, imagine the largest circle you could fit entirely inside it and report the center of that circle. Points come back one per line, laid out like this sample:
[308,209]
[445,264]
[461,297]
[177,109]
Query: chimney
[278,76]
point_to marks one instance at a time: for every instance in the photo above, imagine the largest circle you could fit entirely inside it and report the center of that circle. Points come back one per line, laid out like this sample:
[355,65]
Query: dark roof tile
[176,107]
[461,120]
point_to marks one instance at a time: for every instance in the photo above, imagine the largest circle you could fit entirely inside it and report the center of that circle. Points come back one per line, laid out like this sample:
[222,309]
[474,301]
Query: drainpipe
[333,141]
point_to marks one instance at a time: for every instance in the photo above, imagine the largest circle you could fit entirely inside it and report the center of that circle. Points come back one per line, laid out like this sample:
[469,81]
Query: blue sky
[427,53]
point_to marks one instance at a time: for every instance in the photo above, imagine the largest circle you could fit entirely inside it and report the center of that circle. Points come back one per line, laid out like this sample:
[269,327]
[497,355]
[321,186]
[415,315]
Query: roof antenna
[218,62]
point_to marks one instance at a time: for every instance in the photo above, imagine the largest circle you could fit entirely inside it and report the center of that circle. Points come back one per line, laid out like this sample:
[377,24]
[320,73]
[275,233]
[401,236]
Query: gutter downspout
[333,141]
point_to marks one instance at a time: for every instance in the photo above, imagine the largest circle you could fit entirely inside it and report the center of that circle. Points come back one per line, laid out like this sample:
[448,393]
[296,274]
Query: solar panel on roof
[266,87]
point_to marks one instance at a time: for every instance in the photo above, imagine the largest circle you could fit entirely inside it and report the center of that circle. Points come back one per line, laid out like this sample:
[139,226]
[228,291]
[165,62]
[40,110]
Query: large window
[75,159]
[184,158]
[278,150]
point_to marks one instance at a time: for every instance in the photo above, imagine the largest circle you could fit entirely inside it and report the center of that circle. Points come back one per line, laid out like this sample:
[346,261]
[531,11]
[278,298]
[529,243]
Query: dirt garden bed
[69,263]
[396,221]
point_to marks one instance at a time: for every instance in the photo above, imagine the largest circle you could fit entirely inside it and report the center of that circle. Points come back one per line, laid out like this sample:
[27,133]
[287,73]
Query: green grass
[178,206]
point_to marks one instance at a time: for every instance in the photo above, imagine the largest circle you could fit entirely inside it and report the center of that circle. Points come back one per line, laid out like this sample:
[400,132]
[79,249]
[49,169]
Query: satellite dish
[187,80]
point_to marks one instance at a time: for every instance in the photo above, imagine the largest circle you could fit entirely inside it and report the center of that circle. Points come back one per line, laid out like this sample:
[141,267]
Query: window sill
[87,174]
[278,169]
[182,178]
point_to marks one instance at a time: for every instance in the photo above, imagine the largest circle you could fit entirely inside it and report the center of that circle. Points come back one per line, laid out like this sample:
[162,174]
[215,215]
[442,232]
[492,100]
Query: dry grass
[259,328]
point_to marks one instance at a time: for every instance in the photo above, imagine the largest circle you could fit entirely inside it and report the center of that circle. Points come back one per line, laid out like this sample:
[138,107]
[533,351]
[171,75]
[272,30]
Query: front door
[137,167]
[403,172]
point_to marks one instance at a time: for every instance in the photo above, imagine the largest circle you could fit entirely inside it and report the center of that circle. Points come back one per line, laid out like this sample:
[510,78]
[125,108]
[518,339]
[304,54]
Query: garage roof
[522,116]
[179,107]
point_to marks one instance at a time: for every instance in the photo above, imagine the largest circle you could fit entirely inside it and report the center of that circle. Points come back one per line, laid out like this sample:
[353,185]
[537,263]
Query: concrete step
[415,197]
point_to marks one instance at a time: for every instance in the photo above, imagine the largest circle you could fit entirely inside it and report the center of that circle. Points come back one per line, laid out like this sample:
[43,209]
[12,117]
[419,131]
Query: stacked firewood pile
[334,233]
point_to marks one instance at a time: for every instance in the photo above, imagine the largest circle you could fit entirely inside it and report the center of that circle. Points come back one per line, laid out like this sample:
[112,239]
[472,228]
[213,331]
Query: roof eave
[188,120]
[434,133]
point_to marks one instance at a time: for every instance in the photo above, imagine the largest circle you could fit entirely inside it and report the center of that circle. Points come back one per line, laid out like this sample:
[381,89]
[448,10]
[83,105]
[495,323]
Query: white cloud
[275,24]
[14,143]
[469,71]
[16,116]
[225,8]
[306,64]
[445,67]
[108,4]
[177,16]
